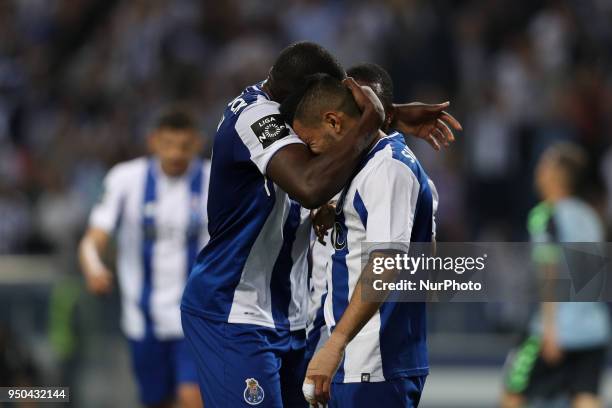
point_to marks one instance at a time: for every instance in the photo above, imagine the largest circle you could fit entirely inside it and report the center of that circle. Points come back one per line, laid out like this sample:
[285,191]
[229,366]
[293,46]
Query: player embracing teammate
[245,303]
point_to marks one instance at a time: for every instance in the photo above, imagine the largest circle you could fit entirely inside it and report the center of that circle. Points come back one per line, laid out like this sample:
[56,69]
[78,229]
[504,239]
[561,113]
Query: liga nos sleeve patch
[269,129]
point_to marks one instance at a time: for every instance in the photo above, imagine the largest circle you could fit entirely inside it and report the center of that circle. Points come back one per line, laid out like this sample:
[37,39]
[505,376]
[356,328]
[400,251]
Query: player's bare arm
[98,277]
[551,352]
[325,362]
[312,179]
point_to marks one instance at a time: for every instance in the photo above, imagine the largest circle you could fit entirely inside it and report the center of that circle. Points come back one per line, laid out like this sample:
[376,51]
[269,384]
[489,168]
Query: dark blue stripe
[314,335]
[403,338]
[340,277]
[280,281]
[195,214]
[361,209]
[148,242]
[423,214]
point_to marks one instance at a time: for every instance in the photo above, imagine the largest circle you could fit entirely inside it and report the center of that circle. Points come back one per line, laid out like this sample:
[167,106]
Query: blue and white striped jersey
[390,200]
[161,225]
[316,330]
[254,268]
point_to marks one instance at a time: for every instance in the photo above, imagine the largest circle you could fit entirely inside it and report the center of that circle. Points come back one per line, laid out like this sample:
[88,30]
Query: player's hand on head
[99,281]
[429,122]
[366,100]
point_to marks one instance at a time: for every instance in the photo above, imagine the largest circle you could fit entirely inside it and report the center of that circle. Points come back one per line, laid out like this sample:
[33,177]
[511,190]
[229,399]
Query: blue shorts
[244,365]
[396,393]
[160,367]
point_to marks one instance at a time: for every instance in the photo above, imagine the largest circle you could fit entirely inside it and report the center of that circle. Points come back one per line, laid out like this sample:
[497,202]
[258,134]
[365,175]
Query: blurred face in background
[175,149]
[549,175]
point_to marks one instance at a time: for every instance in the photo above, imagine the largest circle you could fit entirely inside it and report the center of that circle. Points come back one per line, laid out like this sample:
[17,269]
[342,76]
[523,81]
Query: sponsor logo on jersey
[269,129]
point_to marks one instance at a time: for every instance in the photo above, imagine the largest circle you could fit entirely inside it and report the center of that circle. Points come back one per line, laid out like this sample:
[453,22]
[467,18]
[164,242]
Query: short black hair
[298,61]
[375,74]
[176,117]
[317,93]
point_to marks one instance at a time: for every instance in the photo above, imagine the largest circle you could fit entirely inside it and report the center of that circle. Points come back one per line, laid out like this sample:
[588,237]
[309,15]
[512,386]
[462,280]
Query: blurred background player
[380,347]
[565,351]
[157,207]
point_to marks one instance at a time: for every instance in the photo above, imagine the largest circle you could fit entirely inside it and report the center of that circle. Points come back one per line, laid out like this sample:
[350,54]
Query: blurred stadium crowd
[80,79]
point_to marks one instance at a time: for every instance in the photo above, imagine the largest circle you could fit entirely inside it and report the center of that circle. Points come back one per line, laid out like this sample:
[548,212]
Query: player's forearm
[90,252]
[313,180]
[355,317]
[359,312]
[548,314]
[328,173]
[548,290]
[415,113]
[548,308]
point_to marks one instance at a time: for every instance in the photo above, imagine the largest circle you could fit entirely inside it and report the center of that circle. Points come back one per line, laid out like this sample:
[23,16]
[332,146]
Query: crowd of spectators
[81,79]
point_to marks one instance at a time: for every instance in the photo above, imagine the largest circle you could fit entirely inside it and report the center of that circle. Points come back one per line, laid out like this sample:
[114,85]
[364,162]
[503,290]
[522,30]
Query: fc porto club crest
[253,393]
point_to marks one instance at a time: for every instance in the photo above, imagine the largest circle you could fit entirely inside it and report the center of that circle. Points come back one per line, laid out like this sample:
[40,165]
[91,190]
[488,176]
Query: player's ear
[389,117]
[333,120]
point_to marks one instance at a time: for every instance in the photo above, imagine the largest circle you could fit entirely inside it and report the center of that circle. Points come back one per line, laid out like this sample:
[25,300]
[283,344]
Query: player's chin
[318,149]
[315,149]
[177,168]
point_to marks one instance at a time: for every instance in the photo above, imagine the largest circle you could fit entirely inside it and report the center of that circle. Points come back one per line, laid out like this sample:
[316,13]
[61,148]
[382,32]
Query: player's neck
[171,173]
[379,136]
[267,89]
[556,194]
